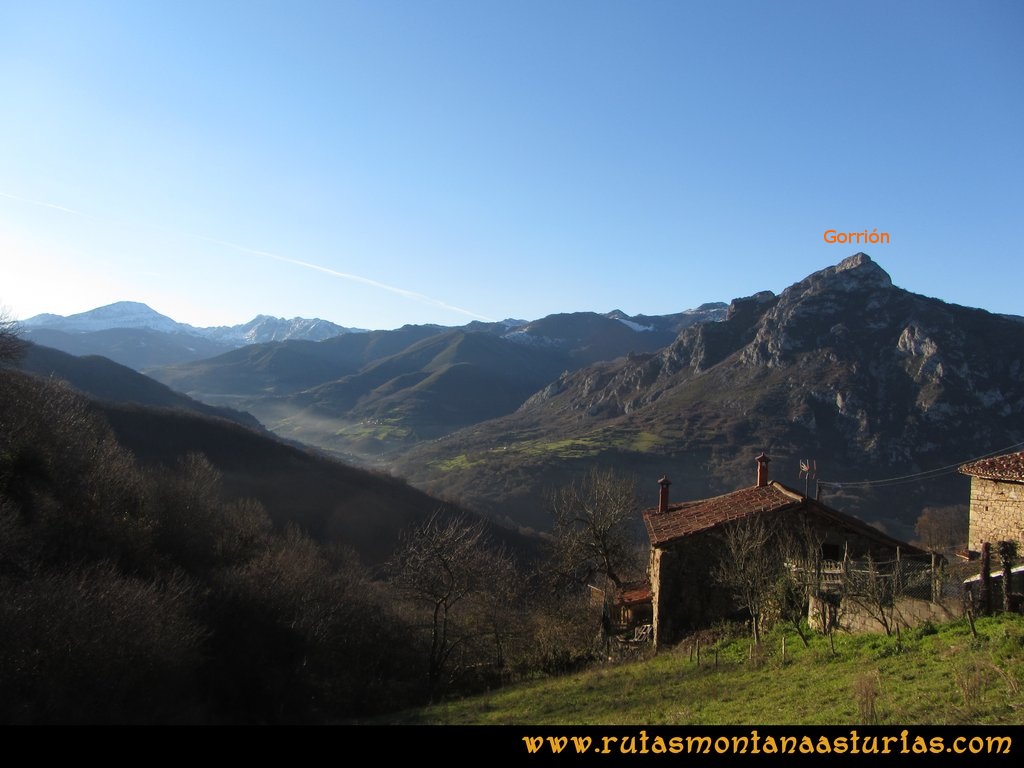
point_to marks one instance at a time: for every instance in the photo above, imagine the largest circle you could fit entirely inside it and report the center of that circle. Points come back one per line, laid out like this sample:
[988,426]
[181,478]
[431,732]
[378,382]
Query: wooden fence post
[1007,553]
[985,598]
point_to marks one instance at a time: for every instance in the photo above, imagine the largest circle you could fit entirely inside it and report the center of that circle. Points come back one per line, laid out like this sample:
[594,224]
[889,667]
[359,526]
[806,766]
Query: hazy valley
[868,380]
[207,495]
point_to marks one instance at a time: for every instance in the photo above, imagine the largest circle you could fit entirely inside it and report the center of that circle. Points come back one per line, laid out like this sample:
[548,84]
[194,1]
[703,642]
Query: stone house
[634,605]
[997,500]
[997,517]
[687,546]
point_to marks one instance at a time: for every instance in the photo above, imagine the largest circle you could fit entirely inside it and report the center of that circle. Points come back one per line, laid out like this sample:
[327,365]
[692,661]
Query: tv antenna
[808,470]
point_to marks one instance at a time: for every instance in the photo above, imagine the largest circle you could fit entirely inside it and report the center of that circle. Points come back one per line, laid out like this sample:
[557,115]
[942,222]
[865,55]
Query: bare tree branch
[448,567]
[12,347]
[750,568]
[595,524]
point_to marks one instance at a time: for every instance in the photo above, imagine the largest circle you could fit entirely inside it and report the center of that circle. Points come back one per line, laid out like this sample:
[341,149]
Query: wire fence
[919,577]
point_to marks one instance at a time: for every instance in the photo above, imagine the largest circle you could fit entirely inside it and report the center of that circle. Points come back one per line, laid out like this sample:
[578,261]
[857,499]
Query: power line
[918,476]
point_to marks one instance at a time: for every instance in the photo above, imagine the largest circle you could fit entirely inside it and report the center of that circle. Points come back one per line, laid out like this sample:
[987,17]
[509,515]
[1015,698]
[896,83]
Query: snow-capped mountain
[133,314]
[122,314]
[134,334]
[138,336]
[263,328]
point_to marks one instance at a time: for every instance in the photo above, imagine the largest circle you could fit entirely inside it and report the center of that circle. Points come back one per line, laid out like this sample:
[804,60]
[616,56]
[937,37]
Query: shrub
[92,646]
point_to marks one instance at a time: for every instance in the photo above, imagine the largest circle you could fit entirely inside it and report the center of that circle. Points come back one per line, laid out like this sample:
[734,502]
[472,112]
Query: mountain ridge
[137,315]
[134,334]
[382,391]
[869,379]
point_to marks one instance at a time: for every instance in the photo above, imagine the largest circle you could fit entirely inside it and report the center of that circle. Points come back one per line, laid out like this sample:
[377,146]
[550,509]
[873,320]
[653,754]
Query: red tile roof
[1009,466]
[636,594]
[694,516]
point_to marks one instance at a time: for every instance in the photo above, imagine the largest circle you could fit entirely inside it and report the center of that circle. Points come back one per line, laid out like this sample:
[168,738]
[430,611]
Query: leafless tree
[596,522]
[801,576]
[750,568]
[595,536]
[943,529]
[874,589]
[447,567]
[12,347]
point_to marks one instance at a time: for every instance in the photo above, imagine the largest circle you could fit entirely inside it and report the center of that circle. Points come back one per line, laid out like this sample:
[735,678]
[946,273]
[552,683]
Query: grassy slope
[943,678]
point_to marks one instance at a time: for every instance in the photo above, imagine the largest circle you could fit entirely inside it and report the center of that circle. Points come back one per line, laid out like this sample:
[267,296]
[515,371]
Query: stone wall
[906,613]
[685,596]
[997,512]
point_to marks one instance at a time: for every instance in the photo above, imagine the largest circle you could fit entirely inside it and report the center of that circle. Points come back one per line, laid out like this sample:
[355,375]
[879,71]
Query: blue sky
[381,163]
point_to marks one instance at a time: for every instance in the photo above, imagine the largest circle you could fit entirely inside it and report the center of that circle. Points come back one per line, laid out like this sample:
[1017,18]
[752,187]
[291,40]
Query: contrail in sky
[353,278]
[287,260]
[41,204]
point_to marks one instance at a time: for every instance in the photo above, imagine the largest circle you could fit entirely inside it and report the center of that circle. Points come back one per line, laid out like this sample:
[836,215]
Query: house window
[830,552]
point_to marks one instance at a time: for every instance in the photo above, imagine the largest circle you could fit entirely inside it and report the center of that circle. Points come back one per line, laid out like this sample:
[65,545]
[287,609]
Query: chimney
[762,470]
[663,494]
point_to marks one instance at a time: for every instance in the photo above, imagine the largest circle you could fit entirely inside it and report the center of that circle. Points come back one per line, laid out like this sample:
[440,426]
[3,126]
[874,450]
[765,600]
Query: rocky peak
[749,307]
[852,262]
[853,293]
[852,274]
[867,269]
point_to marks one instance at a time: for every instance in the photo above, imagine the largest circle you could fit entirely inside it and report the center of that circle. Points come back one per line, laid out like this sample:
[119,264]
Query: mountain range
[863,380]
[138,336]
[367,396]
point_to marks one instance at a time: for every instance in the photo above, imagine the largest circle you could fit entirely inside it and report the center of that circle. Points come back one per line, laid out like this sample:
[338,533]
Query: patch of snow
[135,315]
[635,326]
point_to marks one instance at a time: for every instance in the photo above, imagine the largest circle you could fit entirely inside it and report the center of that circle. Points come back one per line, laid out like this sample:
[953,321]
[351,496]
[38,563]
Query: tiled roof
[694,516]
[1009,466]
[632,595]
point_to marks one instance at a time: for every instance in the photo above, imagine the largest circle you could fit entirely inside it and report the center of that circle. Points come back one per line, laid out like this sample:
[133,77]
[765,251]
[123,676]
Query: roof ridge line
[793,494]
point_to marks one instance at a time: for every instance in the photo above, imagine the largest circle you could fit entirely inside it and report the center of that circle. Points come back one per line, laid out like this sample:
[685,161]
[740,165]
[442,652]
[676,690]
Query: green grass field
[939,675]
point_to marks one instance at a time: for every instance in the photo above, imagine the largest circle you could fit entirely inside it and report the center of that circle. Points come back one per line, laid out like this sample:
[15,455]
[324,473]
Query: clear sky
[381,163]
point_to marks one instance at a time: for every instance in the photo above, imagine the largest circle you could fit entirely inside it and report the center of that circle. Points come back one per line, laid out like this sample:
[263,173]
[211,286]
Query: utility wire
[928,474]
